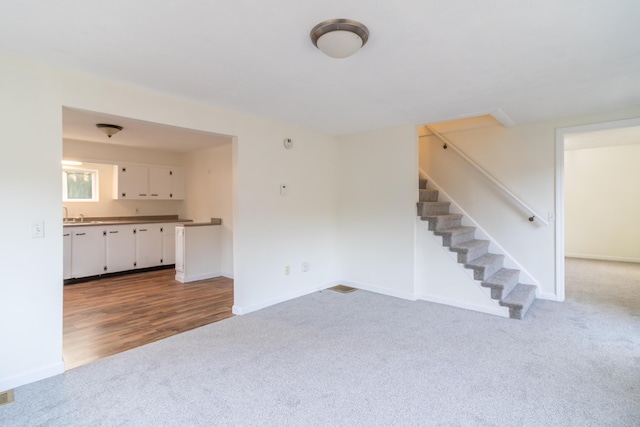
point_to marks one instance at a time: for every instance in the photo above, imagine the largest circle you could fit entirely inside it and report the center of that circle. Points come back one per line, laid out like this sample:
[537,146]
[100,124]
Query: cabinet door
[131,182]
[169,243]
[148,245]
[66,254]
[88,251]
[177,184]
[160,183]
[120,248]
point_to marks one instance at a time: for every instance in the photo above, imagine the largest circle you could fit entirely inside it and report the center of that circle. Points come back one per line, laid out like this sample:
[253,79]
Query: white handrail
[533,213]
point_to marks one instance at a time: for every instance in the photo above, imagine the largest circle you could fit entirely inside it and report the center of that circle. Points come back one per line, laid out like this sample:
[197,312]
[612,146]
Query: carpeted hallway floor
[362,359]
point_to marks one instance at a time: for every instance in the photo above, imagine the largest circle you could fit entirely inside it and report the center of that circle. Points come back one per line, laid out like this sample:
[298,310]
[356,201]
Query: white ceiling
[81,125]
[426,60]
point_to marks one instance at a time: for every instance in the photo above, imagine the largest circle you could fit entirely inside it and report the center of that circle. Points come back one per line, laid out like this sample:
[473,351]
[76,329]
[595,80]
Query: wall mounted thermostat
[288,143]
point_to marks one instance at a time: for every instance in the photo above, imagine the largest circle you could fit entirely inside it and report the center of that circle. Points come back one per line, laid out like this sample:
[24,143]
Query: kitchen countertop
[121,220]
[214,221]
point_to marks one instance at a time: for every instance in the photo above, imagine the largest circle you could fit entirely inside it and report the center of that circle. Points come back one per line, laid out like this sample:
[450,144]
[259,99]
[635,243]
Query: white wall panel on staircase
[440,279]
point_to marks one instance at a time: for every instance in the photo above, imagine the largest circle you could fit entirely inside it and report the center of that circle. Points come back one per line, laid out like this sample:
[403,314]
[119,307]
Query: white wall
[378,193]
[270,231]
[209,178]
[602,203]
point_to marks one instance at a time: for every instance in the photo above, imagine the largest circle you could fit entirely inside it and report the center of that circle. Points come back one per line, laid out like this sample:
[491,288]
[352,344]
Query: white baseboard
[496,311]
[378,290]
[180,277]
[549,297]
[31,376]
[240,310]
[601,257]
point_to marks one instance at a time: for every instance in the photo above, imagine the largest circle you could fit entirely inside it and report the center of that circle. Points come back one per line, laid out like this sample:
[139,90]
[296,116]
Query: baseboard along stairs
[474,254]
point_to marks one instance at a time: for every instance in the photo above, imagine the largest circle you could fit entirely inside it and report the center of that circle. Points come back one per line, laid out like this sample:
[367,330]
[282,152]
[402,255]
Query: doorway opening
[591,161]
[118,311]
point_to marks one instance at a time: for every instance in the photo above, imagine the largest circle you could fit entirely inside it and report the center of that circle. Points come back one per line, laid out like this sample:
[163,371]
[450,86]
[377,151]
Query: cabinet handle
[170,194]
[124,194]
[104,233]
[154,195]
[143,229]
[65,235]
[142,194]
[112,232]
[80,234]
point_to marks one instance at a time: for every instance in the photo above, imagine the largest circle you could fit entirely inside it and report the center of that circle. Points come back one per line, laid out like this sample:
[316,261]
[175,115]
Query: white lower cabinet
[120,248]
[148,245]
[94,250]
[87,251]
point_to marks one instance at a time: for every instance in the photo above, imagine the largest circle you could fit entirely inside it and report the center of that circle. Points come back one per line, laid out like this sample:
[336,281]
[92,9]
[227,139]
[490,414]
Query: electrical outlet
[37,229]
[306,267]
[287,270]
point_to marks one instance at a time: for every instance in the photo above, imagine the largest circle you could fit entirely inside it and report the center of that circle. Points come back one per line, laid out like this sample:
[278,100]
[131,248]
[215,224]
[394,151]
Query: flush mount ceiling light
[339,38]
[109,130]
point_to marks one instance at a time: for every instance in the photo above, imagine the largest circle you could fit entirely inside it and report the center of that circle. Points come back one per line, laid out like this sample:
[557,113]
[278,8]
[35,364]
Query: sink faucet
[66,213]
[81,218]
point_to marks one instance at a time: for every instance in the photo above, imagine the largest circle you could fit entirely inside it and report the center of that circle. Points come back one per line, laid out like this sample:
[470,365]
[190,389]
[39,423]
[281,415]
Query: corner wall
[378,184]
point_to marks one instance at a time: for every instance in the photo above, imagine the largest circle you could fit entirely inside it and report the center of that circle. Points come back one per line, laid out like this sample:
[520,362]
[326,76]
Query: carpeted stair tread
[444,221]
[456,235]
[432,208]
[502,282]
[468,246]
[519,300]
[422,183]
[485,266]
[454,231]
[470,250]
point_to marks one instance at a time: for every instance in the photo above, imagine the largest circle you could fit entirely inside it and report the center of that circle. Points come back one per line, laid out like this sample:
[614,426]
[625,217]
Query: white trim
[497,311]
[559,190]
[378,290]
[32,376]
[601,257]
[180,277]
[240,310]
[549,297]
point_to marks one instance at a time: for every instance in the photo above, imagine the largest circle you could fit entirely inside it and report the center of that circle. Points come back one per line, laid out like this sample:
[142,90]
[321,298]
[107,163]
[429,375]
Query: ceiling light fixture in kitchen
[339,38]
[109,130]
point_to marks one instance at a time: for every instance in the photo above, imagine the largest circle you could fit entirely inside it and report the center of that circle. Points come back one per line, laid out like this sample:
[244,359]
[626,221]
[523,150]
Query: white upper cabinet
[148,182]
[130,182]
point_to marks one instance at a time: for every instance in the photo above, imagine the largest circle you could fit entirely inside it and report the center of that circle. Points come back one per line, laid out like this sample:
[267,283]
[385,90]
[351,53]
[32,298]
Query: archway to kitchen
[113,312]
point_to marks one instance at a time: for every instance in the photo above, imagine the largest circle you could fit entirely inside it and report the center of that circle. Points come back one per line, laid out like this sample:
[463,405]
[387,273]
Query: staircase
[474,254]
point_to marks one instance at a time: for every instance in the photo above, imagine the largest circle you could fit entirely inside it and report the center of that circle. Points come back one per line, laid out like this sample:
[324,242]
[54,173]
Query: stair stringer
[441,279]
[494,247]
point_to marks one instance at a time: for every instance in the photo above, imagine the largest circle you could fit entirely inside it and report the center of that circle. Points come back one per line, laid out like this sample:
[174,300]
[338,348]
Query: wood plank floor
[110,315]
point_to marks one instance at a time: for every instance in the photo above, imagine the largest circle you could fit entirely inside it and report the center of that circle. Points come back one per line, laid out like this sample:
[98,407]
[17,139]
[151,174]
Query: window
[79,185]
